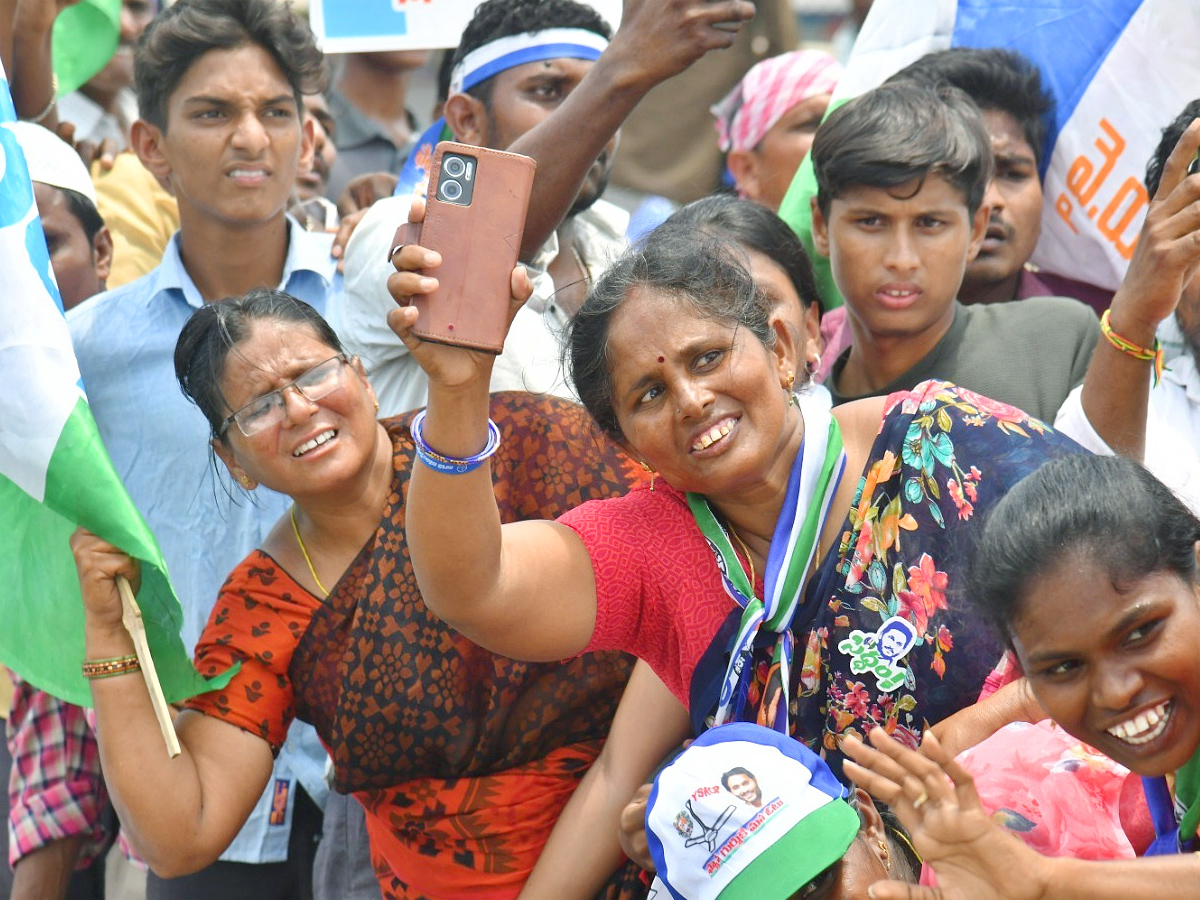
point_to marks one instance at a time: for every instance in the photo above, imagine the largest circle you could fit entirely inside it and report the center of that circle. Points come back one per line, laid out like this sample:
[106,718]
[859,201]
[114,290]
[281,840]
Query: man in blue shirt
[219,84]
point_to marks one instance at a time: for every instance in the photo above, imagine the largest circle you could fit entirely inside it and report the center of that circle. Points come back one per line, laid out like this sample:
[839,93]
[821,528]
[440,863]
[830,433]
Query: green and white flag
[55,473]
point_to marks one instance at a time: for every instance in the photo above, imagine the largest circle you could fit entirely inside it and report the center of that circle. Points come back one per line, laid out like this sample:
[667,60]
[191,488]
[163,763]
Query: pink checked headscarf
[769,90]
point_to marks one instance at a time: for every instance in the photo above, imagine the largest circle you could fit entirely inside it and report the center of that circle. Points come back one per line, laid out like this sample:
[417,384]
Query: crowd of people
[708,585]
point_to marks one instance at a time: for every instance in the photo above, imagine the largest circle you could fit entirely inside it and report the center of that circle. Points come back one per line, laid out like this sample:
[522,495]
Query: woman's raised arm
[524,590]
[583,850]
[179,813]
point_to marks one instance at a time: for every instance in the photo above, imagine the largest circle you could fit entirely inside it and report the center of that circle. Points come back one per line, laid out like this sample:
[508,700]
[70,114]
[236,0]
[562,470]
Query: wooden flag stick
[131,618]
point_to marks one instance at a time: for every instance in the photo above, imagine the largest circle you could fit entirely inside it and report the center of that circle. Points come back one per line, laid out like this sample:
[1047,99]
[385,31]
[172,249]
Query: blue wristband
[451,465]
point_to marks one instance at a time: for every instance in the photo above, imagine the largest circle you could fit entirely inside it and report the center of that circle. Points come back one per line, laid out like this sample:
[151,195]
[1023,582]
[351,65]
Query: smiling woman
[462,759]
[773,524]
[1091,568]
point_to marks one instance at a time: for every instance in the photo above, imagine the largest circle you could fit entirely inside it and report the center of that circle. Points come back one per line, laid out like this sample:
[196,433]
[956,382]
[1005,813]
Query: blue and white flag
[1119,71]
[54,471]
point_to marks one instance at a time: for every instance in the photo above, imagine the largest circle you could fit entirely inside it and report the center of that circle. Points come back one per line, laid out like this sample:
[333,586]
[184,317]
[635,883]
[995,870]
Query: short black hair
[1170,137]
[1109,507]
[902,132]
[215,328]
[84,211]
[495,19]
[996,79]
[181,34]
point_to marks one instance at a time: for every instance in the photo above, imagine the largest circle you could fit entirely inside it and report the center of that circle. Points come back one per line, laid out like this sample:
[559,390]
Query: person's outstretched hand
[445,365]
[935,798]
[1167,255]
[661,38]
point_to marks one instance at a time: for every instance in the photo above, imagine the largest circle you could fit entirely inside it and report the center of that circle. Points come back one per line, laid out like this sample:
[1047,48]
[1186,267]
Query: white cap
[51,160]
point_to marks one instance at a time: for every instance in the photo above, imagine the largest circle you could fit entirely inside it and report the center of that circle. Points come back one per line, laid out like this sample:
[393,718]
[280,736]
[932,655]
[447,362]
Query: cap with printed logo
[745,813]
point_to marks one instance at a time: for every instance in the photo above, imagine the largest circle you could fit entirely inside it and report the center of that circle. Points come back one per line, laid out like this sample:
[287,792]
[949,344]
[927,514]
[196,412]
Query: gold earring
[887,854]
[653,474]
[376,407]
[244,481]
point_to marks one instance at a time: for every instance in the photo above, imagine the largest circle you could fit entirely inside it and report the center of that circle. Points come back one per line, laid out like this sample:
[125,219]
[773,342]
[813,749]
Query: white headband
[514,50]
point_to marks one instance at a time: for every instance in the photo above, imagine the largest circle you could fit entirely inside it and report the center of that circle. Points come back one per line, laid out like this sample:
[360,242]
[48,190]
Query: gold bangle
[107,668]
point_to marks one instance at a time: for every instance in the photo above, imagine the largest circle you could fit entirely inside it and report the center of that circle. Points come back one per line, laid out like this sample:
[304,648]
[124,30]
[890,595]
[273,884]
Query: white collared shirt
[532,357]
[1172,429]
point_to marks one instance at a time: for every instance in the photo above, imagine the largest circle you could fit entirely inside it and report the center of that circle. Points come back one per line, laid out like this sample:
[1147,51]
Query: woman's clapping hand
[935,798]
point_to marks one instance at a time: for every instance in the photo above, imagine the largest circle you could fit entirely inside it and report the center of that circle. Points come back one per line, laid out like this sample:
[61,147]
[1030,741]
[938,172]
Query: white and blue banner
[362,26]
[1119,72]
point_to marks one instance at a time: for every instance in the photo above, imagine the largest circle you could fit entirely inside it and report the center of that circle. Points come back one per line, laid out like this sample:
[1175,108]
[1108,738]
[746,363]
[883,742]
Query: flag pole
[131,618]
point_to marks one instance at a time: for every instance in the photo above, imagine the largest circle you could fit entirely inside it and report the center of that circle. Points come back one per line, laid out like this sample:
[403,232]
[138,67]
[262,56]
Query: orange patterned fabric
[463,759]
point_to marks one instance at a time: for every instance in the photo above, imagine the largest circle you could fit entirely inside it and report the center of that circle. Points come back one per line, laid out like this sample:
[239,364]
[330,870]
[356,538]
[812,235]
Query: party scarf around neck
[812,483]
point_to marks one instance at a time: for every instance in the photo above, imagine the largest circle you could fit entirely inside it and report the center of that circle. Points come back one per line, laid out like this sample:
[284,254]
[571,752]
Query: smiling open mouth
[714,434]
[315,442]
[1144,727]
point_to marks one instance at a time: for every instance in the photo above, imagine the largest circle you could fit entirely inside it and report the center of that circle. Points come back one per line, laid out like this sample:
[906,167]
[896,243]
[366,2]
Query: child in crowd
[901,174]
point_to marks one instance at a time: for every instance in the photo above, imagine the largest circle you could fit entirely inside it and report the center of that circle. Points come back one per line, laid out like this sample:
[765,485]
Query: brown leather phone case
[477,227]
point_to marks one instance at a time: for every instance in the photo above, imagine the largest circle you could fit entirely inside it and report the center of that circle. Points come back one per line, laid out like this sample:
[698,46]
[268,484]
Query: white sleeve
[360,317]
[1073,422]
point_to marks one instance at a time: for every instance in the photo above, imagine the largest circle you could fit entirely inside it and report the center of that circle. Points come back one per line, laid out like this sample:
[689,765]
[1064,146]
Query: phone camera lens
[451,190]
[454,167]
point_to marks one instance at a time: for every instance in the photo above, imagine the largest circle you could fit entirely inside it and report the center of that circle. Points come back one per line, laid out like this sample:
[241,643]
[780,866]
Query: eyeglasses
[270,409]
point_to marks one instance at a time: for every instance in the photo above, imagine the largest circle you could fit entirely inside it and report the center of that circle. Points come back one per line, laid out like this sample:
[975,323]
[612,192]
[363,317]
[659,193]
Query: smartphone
[475,212]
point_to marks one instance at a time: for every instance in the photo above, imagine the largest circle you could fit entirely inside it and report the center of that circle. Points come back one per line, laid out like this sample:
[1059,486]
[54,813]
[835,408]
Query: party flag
[1119,72]
[55,473]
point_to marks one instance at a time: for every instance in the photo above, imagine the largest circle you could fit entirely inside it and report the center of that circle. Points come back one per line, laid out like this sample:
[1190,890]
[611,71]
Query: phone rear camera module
[456,179]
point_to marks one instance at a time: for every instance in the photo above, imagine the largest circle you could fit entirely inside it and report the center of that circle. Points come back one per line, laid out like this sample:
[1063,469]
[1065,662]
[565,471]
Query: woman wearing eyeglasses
[462,759]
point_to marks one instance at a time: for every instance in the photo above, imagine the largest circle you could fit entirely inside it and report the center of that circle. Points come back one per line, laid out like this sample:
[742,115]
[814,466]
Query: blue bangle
[451,465]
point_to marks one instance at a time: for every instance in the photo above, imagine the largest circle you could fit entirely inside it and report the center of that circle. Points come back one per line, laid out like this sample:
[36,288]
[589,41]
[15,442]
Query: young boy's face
[234,138]
[898,255]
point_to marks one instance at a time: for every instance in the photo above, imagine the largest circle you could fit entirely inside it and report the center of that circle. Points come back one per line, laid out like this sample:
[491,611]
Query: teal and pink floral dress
[942,457]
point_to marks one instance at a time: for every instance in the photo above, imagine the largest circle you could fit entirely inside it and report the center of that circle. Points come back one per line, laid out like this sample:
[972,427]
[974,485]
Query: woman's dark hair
[213,331]
[700,270]
[1108,507]
[899,133]
[182,33]
[725,216]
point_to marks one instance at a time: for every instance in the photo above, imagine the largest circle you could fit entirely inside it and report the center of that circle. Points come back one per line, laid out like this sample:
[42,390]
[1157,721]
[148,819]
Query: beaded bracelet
[451,465]
[107,668]
[1129,348]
